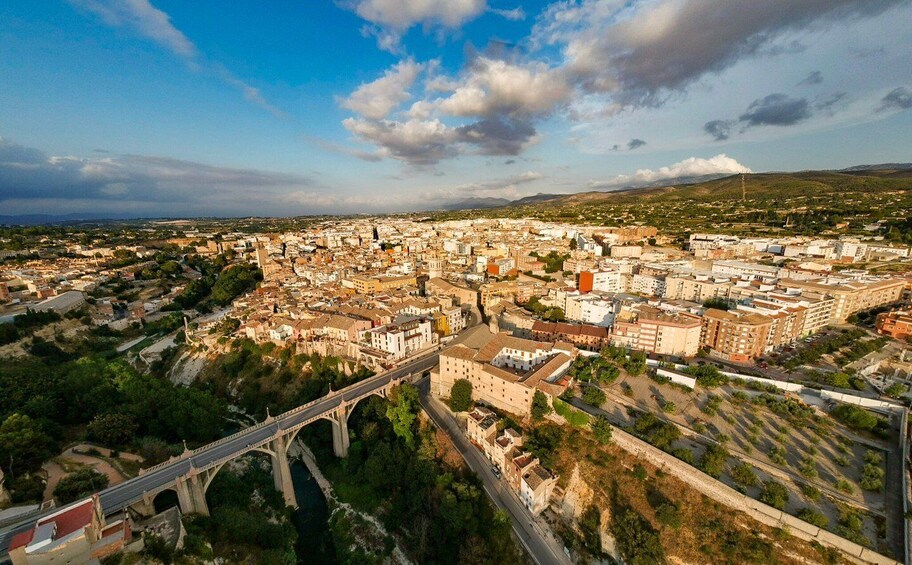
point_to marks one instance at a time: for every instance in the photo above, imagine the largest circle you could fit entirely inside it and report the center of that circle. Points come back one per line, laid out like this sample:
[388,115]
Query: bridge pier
[191,494]
[339,419]
[281,471]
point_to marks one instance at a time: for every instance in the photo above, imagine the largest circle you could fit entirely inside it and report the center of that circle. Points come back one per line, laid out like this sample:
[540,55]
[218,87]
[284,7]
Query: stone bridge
[190,474]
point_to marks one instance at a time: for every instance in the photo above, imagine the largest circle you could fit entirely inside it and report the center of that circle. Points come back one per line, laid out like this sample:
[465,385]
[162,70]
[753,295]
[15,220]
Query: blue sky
[170,108]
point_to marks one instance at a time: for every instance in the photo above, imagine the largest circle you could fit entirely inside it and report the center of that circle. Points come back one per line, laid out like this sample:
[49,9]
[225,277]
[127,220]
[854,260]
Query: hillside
[808,202]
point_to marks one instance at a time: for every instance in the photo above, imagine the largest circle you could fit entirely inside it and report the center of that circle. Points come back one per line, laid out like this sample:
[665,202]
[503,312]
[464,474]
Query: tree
[774,494]
[461,395]
[403,410]
[82,483]
[713,461]
[716,303]
[112,429]
[896,390]
[601,429]
[543,441]
[635,363]
[23,444]
[540,406]
[593,396]
[814,517]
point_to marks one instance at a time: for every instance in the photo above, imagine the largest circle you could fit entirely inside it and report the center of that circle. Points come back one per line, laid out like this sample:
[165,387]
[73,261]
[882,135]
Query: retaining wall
[677,378]
[754,508]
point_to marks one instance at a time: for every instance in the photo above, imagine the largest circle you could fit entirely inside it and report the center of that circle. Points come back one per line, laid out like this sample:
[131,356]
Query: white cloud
[692,167]
[150,22]
[494,87]
[144,18]
[375,100]
[391,18]
[514,15]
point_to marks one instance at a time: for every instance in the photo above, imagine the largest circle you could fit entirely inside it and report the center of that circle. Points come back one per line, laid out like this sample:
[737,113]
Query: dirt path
[70,460]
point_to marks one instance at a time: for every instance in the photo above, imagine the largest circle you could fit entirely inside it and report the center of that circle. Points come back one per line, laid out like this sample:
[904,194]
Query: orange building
[897,325]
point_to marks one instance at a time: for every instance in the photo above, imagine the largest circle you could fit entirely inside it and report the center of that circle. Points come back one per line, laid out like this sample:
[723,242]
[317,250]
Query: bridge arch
[165,499]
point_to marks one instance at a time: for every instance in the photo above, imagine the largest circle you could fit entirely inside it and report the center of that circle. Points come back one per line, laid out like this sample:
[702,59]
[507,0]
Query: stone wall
[755,509]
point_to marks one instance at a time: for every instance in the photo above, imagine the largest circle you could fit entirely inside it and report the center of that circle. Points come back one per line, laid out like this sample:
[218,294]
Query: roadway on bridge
[119,497]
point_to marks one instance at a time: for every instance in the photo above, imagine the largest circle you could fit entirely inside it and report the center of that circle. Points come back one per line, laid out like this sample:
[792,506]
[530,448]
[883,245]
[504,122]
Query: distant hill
[882,167]
[757,186]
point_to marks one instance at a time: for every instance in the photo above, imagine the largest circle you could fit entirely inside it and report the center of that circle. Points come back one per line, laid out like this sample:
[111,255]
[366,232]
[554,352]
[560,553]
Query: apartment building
[442,287]
[605,281]
[646,328]
[583,336]
[852,297]
[588,308]
[522,471]
[735,336]
[696,288]
[505,371]
[373,285]
[406,336]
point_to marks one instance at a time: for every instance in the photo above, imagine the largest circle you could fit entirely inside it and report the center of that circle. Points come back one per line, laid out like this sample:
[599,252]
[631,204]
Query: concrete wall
[724,494]
[858,400]
[677,378]
[781,385]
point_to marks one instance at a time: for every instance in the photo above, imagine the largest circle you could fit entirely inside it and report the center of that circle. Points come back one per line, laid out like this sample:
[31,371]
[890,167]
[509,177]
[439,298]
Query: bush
[80,484]
[808,468]
[601,429]
[658,433]
[814,517]
[810,492]
[593,396]
[775,494]
[713,461]
[112,429]
[540,406]
[461,395]
[743,474]
[859,419]
[708,376]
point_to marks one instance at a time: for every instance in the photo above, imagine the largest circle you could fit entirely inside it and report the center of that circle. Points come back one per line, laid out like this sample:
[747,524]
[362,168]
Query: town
[776,366]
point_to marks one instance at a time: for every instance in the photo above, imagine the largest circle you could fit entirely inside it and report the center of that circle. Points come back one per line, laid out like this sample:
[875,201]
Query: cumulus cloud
[776,110]
[692,167]
[28,174]
[146,20]
[719,129]
[495,87]
[897,99]
[635,144]
[392,18]
[772,110]
[641,52]
[501,98]
[595,58]
[375,100]
[814,77]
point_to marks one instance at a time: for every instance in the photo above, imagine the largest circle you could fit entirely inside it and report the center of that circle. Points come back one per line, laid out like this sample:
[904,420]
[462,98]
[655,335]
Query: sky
[152,108]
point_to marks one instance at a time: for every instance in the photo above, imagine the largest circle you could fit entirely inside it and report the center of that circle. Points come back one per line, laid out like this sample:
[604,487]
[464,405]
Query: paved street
[537,538]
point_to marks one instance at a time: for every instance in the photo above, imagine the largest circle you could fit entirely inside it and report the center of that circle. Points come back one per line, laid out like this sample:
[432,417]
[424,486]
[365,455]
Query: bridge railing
[282,416]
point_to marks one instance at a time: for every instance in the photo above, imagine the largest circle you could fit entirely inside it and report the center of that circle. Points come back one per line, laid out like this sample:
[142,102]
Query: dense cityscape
[456,282]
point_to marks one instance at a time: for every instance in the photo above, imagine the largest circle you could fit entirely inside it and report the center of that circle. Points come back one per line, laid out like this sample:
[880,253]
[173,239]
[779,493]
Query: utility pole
[743,190]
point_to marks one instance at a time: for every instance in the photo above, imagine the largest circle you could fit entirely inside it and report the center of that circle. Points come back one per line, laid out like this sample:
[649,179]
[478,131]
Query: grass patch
[574,417]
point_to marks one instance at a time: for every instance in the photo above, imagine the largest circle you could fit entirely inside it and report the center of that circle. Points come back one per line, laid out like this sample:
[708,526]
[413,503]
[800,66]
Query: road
[537,538]
[117,498]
